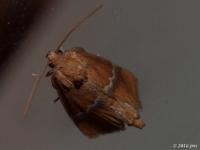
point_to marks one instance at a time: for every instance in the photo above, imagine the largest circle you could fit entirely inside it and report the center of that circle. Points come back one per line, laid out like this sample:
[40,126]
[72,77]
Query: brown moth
[99,96]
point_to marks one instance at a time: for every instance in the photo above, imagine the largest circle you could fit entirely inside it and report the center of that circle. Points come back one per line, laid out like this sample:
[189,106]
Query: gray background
[157,40]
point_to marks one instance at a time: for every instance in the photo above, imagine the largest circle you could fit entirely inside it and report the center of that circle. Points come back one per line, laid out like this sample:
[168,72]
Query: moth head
[53,57]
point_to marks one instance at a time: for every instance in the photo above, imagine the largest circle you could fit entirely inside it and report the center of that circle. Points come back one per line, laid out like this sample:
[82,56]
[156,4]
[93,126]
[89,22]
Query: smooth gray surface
[157,40]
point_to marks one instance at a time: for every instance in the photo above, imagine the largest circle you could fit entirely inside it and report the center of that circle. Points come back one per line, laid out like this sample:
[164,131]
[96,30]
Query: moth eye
[78,83]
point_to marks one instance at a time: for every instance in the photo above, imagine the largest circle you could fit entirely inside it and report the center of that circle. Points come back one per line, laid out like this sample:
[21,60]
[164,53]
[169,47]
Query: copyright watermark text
[184,146]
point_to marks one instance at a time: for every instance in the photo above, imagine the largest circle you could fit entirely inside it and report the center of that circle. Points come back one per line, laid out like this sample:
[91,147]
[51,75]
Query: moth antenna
[37,78]
[62,48]
[78,25]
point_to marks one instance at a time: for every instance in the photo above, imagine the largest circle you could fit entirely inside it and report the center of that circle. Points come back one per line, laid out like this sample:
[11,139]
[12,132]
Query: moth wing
[70,107]
[127,103]
[119,84]
[101,109]
[97,121]
[99,69]
[84,123]
[126,88]
[94,123]
[74,112]
[100,121]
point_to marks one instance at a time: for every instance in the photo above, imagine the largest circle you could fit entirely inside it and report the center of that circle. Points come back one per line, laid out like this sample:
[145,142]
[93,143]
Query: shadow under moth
[99,96]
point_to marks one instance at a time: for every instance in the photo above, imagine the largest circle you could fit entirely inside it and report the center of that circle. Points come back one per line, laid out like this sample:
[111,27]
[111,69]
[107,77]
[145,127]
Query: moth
[98,95]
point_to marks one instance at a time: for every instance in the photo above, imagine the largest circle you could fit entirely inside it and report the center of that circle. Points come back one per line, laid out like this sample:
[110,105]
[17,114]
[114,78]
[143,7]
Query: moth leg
[61,78]
[55,100]
[49,73]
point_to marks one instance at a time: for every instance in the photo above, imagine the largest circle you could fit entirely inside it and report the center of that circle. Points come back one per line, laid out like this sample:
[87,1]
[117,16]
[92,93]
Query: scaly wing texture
[126,93]
[121,87]
[127,88]
[99,69]
[99,120]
